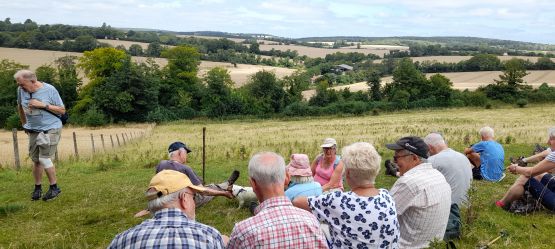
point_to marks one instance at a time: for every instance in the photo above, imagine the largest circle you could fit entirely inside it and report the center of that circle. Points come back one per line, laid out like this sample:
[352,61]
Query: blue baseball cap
[178,145]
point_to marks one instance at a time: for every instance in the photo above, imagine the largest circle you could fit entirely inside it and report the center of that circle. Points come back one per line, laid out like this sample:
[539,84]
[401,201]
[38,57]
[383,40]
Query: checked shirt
[278,224]
[169,228]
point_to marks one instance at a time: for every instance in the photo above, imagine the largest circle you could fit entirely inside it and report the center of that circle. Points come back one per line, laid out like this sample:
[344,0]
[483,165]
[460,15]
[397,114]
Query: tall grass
[101,193]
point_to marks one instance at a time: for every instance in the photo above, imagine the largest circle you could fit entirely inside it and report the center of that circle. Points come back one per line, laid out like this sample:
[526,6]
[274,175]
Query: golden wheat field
[461,80]
[36,58]
[240,139]
[115,135]
[322,52]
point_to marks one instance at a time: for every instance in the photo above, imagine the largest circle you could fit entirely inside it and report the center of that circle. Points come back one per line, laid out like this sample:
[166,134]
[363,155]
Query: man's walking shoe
[36,194]
[51,194]
[390,168]
[538,149]
[231,180]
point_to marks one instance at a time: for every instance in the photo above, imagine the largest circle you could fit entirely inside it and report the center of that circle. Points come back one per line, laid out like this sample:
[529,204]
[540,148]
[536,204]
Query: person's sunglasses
[395,158]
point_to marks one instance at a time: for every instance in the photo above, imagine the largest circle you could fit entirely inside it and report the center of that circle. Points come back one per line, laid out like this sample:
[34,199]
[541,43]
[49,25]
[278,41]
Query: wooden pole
[203,154]
[75,146]
[112,140]
[92,143]
[102,139]
[16,149]
[122,137]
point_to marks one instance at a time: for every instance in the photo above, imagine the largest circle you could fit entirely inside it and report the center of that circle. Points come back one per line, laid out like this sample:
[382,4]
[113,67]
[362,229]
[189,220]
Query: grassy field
[37,58]
[458,58]
[462,80]
[101,193]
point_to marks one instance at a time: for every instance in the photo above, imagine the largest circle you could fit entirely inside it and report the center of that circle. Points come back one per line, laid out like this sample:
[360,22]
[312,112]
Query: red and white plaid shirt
[278,224]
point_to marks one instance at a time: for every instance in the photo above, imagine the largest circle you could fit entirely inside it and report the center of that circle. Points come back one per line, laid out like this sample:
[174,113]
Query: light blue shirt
[303,189]
[38,119]
[491,159]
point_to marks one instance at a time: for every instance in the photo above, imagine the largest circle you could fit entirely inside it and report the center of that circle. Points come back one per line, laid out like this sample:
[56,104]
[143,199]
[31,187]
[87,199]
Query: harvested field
[37,58]
[457,58]
[464,80]
[322,52]
[238,40]
[66,147]
[126,44]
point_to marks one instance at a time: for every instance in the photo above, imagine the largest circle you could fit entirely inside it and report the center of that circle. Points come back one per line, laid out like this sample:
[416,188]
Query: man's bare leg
[51,173]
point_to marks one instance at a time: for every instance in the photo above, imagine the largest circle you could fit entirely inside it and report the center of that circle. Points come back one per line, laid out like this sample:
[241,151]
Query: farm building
[339,69]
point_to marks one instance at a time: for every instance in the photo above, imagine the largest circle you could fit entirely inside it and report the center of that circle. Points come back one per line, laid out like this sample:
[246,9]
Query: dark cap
[413,144]
[178,145]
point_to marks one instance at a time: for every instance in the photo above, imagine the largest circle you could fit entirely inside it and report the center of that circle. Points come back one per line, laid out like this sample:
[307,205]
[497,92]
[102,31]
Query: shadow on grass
[10,209]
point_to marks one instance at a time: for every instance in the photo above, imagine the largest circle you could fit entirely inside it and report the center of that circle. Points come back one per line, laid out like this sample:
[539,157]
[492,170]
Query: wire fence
[75,143]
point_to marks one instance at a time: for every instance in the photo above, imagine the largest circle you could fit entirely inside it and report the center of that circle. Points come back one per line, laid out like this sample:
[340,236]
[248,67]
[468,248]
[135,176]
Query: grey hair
[551,132]
[173,153]
[486,131]
[25,74]
[164,201]
[422,160]
[267,168]
[434,139]
[363,161]
[302,179]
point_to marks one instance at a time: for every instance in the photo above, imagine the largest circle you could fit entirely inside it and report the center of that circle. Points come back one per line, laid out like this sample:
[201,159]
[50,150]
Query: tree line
[121,90]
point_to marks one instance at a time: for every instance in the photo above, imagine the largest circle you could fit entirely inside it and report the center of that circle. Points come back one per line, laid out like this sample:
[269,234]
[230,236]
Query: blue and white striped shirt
[169,228]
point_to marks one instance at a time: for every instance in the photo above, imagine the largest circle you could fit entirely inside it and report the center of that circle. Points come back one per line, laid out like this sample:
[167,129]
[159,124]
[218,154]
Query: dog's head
[238,189]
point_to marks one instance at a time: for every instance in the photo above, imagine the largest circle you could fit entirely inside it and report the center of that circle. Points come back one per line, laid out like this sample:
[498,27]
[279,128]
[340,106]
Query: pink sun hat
[299,165]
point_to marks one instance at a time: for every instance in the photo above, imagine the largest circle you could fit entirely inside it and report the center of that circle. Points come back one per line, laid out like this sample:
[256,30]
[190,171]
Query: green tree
[154,49]
[218,100]
[483,62]
[8,89]
[407,78]
[513,73]
[267,91]
[135,50]
[374,82]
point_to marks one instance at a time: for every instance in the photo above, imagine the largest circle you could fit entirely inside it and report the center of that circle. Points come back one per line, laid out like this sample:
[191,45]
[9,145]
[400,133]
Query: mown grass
[101,194]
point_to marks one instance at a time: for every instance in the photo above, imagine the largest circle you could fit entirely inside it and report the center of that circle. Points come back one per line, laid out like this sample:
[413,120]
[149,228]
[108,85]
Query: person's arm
[214,192]
[301,202]
[35,103]
[314,164]
[541,167]
[537,157]
[468,150]
[21,113]
[335,178]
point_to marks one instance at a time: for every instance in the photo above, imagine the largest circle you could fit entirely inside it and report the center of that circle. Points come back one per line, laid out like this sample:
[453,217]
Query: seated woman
[299,180]
[536,180]
[364,217]
[327,168]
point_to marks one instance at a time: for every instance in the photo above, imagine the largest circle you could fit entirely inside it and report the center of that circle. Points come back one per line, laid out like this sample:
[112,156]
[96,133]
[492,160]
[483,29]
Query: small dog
[245,195]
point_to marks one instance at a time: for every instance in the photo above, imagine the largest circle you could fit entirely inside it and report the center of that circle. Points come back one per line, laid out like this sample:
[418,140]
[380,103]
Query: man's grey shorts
[43,145]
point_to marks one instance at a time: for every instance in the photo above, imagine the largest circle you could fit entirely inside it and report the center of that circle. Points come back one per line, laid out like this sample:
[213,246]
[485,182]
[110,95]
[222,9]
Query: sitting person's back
[276,224]
[299,178]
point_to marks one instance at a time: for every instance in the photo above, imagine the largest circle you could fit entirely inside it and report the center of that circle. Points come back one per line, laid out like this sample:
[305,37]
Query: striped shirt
[423,200]
[169,228]
[278,224]
[551,157]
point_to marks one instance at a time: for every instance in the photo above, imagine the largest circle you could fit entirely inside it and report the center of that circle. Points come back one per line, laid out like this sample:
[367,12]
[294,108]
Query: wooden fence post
[118,140]
[92,143]
[203,154]
[122,137]
[75,146]
[112,140]
[102,139]
[16,149]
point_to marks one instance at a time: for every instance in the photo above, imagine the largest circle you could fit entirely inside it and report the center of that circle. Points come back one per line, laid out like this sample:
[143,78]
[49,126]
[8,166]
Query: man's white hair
[486,131]
[434,139]
[164,201]
[25,74]
[267,168]
[551,132]
[363,162]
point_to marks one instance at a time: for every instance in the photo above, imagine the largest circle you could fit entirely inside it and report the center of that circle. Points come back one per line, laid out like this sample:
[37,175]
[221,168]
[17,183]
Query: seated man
[299,180]
[457,171]
[178,158]
[276,224]
[538,182]
[422,195]
[486,157]
[170,198]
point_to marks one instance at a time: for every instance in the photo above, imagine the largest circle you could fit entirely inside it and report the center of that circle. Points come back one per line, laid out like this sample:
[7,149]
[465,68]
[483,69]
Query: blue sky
[522,20]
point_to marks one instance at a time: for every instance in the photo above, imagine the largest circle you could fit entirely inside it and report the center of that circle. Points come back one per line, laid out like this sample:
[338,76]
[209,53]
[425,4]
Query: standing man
[422,196]
[457,170]
[37,104]
[486,157]
[277,223]
[170,197]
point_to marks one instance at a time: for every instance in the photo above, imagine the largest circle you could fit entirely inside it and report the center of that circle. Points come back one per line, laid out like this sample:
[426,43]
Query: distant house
[340,69]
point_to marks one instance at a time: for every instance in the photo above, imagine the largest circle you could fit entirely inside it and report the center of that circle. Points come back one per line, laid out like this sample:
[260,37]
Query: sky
[521,20]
